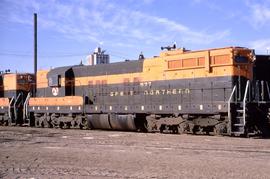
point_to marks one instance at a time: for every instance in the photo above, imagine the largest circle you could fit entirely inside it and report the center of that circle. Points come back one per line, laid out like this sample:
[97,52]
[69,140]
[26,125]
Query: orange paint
[4,102]
[56,101]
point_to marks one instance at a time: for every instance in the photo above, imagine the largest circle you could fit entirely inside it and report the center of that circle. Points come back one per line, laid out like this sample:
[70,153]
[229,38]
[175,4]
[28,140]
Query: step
[251,134]
[237,133]
[239,125]
[239,117]
[240,110]
[26,124]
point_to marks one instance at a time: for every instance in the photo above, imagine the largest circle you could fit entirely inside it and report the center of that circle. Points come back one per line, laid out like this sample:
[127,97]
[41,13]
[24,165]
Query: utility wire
[57,56]
[39,55]
[13,54]
[112,53]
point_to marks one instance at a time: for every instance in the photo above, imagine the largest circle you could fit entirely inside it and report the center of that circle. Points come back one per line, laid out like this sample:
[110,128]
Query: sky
[69,30]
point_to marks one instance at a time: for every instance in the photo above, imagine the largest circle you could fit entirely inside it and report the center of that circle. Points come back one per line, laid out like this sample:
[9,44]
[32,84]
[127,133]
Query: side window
[241,59]
[54,81]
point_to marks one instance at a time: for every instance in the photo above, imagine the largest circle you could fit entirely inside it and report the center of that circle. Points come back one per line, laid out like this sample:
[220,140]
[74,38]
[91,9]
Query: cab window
[241,59]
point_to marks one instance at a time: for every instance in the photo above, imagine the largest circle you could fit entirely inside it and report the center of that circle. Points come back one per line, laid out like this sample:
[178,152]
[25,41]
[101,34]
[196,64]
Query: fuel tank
[112,121]
[123,122]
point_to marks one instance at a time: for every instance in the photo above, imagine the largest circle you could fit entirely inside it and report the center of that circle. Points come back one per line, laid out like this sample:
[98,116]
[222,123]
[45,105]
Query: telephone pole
[35,53]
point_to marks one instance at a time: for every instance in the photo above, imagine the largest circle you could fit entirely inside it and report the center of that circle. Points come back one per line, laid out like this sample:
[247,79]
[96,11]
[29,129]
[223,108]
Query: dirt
[54,153]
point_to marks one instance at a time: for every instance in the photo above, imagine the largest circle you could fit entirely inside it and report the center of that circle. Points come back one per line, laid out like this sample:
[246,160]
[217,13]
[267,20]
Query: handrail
[244,103]
[233,91]
[25,108]
[229,105]
[229,101]
[268,91]
[15,113]
[9,107]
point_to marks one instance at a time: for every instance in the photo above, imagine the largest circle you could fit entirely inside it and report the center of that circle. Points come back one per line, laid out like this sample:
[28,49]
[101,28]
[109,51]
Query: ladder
[237,120]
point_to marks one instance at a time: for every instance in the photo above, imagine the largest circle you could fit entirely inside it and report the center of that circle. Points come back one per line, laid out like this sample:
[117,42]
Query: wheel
[67,125]
[83,124]
[175,129]
[37,122]
[6,121]
[162,128]
[46,123]
[61,125]
[73,124]
[215,131]
[54,122]
[180,129]
[219,129]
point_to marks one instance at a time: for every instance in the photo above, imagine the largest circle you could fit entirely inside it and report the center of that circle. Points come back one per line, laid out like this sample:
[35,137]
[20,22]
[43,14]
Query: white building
[98,57]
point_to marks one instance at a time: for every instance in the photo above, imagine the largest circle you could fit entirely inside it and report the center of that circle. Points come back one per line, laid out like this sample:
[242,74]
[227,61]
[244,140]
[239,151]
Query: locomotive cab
[61,81]
[243,63]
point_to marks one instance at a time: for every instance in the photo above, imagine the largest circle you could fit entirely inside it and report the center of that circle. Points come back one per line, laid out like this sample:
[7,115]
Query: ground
[54,153]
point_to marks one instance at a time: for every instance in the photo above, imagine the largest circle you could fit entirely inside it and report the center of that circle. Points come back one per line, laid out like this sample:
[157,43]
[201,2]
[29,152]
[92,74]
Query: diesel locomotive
[207,91]
[222,91]
[14,89]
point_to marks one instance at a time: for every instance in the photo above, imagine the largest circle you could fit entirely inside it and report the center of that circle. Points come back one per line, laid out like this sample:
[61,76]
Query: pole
[35,52]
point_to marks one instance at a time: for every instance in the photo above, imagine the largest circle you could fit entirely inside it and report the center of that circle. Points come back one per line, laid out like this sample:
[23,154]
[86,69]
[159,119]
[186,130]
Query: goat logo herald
[55,91]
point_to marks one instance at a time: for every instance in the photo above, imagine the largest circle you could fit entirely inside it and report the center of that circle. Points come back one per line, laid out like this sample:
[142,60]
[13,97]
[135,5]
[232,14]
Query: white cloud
[260,13]
[110,23]
[148,1]
[261,45]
